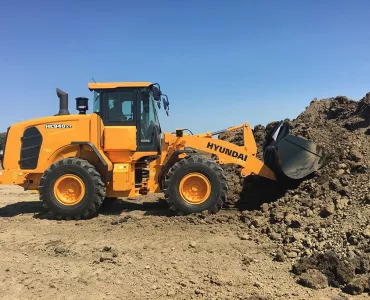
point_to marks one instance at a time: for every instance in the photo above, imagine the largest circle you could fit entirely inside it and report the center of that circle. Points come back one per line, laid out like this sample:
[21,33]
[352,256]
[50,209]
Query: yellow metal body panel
[114,85]
[53,138]
[56,144]
[121,178]
[12,177]
[120,138]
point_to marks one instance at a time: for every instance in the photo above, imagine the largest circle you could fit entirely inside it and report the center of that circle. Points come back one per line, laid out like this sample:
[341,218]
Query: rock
[298,236]
[335,185]
[279,256]
[106,257]
[171,293]
[192,244]
[291,254]
[277,216]
[275,236]
[313,279]
[352,238]
[244,218]
[265,207]
[359,168]
[60,250]
[199,292]
[327,210]
[367,198]
[355,155]
[307,242]
[258,221]
[244,237]
[363,264]
[345,191]
[106,249]
[357,285]
[342,166]
[308,252]
[366,232]
[309,213]
[341,203]
[247,260]
[293,221]
[345,271]
[340,172]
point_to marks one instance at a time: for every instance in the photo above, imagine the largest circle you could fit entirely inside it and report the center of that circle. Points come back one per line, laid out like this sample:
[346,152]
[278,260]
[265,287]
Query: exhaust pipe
[63,103]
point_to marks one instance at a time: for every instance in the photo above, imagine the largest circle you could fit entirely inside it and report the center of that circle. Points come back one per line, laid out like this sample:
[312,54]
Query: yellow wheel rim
[195,188]
[69,189]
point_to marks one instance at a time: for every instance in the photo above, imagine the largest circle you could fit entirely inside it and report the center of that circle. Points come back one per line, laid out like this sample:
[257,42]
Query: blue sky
[221,63]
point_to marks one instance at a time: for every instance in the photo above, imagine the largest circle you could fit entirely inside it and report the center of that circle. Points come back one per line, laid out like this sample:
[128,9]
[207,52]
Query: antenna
[93,79]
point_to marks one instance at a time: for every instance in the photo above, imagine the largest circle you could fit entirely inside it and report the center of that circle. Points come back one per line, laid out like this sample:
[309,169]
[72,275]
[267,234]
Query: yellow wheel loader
[76,161]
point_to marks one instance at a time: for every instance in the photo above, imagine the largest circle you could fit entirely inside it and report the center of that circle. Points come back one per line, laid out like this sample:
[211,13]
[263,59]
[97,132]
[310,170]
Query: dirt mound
[329,210]
[339,272]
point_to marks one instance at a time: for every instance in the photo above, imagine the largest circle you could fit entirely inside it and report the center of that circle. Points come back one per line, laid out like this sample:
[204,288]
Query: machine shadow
[258,190]
[111,207]
[20,208]
[119,206]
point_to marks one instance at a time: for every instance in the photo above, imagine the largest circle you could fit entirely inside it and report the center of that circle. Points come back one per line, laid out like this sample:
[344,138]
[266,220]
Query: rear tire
[195,184]
[72,188]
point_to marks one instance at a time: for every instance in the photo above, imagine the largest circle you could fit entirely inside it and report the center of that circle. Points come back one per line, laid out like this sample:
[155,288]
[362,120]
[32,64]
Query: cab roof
[114,85]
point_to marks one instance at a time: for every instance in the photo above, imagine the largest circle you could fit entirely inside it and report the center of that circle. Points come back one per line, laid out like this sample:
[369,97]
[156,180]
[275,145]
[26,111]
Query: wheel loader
[77,161]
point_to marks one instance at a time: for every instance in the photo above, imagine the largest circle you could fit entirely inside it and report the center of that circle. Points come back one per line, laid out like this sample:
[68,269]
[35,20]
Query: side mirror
[166,103]
[156,91]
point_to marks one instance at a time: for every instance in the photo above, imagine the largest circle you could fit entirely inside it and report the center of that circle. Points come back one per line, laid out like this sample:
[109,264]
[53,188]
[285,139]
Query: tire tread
[99,192]
[203,160]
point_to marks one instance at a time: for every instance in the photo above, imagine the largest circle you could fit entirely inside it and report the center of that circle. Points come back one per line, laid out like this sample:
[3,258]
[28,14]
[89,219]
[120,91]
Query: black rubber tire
[205,166]
[94,189]
[110,199]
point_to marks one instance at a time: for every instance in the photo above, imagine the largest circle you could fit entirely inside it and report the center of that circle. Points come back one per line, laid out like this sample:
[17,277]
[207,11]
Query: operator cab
[132,104]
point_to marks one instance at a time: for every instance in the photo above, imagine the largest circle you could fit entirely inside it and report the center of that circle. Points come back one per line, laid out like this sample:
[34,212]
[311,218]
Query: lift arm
[227,153]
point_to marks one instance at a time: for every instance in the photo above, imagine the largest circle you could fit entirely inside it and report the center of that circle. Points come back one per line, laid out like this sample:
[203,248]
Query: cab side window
[120,111]
[120,107]
[96,107]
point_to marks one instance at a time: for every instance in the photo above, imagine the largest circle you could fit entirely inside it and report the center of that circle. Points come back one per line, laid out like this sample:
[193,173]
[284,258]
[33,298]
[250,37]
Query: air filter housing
[82,105]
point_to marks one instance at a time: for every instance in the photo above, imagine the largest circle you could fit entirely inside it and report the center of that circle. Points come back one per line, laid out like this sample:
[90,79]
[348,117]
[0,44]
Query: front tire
[195,184]
[72,188]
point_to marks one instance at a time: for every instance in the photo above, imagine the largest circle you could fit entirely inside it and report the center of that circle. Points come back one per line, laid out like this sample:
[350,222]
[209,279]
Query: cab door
[148,127]
[118,111]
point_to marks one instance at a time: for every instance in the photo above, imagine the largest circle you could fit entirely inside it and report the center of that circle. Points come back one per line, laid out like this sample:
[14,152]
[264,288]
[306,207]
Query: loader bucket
[289,156]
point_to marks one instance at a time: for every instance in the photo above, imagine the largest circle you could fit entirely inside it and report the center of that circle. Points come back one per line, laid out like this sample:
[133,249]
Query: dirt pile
[329,211]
